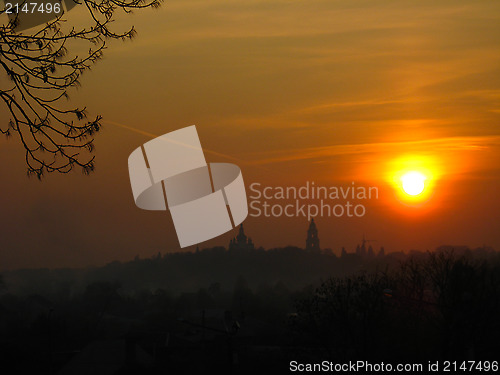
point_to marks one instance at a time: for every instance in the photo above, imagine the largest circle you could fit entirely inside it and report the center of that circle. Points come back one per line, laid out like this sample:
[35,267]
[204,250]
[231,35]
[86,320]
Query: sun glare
[413,178]
[413,183]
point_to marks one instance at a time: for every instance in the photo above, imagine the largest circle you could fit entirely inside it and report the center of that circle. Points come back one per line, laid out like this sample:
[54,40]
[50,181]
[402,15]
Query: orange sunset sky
[291,91]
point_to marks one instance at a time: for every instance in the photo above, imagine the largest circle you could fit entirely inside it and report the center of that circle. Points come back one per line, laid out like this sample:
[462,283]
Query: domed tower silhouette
[312,241]
[241,241]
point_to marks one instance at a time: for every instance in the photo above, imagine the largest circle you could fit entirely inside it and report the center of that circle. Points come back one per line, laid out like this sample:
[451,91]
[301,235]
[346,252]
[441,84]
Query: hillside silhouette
[235,311]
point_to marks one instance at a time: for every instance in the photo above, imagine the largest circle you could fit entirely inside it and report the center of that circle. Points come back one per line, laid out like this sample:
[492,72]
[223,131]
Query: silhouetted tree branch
[40,72]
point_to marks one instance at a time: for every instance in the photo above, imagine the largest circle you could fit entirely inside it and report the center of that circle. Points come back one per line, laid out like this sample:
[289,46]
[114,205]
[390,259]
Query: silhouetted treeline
[186,272]
[221,312]
[437,306]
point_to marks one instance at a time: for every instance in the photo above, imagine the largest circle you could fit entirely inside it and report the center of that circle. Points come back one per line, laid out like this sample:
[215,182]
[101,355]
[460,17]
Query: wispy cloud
[470,143]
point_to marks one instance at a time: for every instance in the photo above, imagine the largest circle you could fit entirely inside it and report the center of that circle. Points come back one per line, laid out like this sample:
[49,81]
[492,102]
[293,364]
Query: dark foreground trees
[435,306]
[438,307]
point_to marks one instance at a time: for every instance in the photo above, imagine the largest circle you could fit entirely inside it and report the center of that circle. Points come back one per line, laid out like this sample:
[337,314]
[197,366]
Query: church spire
[312,241]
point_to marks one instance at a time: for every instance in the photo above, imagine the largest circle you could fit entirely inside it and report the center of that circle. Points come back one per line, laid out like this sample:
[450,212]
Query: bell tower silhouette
[312,241]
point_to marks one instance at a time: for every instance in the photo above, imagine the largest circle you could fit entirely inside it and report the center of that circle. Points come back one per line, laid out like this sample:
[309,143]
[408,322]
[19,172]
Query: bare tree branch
[40,71]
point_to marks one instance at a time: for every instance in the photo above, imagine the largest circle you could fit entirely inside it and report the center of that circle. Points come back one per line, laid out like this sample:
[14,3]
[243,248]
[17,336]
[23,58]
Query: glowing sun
[413,183]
